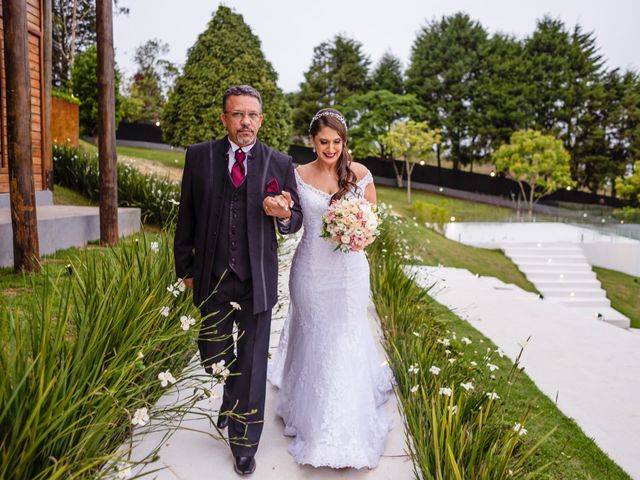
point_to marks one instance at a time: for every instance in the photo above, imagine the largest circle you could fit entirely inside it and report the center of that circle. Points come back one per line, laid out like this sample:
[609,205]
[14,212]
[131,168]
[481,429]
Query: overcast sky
[290,29]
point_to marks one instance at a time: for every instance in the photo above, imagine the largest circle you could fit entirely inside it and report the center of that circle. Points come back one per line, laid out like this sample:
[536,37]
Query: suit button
[235,215]
[215,233]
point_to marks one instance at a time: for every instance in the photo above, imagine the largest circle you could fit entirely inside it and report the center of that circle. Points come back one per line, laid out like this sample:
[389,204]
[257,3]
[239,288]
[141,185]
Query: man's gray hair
[239,90]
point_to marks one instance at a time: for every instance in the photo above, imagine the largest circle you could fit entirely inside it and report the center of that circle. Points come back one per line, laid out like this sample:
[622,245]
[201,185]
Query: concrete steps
[561,272]
[64,226]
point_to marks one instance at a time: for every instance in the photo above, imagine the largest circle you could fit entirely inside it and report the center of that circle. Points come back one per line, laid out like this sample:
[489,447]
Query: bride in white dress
[332,382]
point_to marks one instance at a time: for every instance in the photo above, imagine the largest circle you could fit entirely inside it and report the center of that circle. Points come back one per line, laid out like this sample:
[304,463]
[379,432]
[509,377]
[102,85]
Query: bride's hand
[278,206]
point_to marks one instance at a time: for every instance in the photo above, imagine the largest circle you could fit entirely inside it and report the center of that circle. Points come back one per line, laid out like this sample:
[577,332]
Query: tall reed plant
[100,343]
[156,197]
[452,413]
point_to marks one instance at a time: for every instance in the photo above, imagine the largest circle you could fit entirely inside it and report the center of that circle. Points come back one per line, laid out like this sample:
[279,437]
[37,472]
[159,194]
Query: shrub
[458,429]
[436,217]
[85,355]
[627,214]
[156,197]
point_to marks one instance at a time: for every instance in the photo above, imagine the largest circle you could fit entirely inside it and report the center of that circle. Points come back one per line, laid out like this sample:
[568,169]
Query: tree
[339,69]
[629,187]
[150,84]
[227,53]
[388,75]
[500,102]
[85,87]
[411,142]
[371,115]
[73,31]
[538,161]
[444,73]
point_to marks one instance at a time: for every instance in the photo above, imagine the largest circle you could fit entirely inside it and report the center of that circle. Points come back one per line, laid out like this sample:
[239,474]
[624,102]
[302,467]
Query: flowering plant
[350,223]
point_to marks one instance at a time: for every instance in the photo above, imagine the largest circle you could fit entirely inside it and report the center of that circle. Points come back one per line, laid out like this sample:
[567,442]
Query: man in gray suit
[233,191]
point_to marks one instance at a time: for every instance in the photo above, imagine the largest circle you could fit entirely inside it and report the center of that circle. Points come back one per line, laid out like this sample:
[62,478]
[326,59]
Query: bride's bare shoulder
[359,169]
[304,172]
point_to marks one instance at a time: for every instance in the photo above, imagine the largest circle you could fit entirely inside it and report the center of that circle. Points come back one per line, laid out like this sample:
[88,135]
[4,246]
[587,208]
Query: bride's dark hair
[329,117]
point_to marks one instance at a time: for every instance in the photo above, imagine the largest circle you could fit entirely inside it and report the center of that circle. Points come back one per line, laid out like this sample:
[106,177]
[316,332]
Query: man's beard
[247,139]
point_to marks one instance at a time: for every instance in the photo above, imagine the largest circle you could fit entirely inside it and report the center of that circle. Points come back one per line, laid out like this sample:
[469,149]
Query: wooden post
[107,125]
[21,189]
[47,63]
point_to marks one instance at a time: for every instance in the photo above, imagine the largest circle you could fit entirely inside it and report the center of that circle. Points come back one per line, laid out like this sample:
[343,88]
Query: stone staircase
[561,272]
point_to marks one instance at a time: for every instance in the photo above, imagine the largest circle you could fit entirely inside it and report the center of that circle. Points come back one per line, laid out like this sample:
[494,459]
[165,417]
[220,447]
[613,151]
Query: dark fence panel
[467,181]
[142,132]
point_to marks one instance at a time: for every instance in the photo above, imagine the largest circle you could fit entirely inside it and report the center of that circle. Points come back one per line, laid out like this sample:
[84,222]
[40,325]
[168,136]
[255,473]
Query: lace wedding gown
[332,381]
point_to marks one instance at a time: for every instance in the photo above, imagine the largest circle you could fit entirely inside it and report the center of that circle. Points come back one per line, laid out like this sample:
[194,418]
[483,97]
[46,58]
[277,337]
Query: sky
[290,29]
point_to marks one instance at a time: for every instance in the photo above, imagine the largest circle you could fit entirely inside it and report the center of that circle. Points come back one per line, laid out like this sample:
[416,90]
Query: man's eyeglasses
[236,115]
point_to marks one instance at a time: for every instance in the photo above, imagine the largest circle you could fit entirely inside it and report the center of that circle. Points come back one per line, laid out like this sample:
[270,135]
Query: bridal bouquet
[350,223]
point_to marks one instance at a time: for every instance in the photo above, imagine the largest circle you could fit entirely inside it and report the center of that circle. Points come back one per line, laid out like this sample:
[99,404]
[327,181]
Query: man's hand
[188,282]
[278,206]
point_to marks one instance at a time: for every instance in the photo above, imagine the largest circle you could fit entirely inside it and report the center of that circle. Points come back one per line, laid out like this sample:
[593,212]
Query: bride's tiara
[328,113]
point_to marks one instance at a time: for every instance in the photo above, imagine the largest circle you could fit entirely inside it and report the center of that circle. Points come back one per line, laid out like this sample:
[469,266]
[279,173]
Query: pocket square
[272,186]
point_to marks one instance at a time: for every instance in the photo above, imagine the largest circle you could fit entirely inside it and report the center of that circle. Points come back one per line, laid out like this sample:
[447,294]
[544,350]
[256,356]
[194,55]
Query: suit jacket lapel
[218,162]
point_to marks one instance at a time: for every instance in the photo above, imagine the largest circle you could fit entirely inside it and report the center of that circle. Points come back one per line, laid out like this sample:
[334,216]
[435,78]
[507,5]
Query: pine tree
[388,75]
[227,53]
[444,74]
[339,69]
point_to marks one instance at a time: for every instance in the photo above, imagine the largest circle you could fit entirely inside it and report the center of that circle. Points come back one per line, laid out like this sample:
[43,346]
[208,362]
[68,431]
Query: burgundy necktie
[237,171]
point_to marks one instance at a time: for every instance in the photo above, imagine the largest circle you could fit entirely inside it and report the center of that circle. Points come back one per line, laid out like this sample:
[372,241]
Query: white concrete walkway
[191,454]
[593,368]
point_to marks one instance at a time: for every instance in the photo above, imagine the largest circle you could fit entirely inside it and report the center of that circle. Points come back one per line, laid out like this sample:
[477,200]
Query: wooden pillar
[47,64]
[107,125]
[21,189]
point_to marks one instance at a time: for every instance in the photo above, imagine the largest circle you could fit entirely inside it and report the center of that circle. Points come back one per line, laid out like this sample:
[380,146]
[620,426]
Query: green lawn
[575,456]
[435,249]
[624,292]
[66,196]
[169,158]
[463,210]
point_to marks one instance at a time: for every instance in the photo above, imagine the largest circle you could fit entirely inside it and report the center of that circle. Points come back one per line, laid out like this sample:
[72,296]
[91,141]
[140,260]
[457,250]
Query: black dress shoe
[244,465]
[223,421]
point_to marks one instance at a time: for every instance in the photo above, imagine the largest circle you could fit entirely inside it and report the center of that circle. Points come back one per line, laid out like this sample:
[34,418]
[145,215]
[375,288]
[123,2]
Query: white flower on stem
[444,341]
[446,391]
[492,367]
[414,368]
[493,377]
[235,305]
[474,363]
[180,285]
[173,290]
[219,369]
[447,352]
[467,386]
[174,202]
[466,341]
[451,360]
[434,370]
[124,471]
[140,417]
[140,355]
[493,396]
[166,378]
[453,409]
[164,311]
[499,352]
[520,429]
[414,389]
[186,321]
[416,334]
[155,247]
